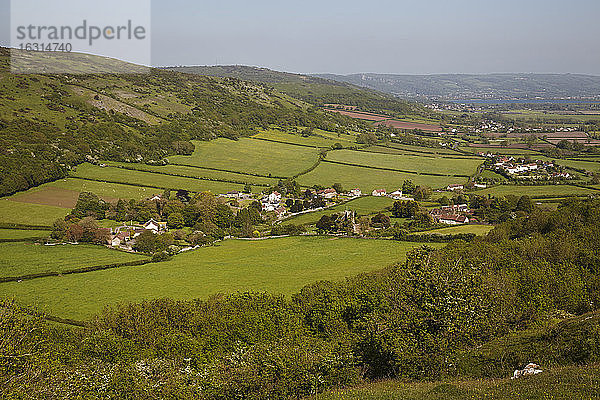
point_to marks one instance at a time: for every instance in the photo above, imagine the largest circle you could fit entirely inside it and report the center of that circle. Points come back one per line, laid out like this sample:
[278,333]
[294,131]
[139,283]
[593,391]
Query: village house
[379,192]
[155,226]
[328,193]
[453,219]
[355,193]
[455,186]
[156,197]
[275,197]
[236,195]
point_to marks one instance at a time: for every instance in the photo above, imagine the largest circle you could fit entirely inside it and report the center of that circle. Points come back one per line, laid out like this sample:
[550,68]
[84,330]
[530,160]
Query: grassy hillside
[144,117]
[311,89]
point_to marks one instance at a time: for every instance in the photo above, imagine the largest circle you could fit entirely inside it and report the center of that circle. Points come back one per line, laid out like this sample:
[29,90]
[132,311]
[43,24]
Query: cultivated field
[251,156]
[363,206]
[411,125]
[275,265]
[17,259]
[368,179]
[408,163]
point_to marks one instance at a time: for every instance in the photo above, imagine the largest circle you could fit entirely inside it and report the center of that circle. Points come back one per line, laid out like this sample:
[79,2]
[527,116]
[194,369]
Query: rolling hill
[312,89]
[51,122]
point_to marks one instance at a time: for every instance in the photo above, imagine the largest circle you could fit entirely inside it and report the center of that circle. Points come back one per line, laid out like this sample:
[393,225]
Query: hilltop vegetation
[49,123]
[441,314]
[312,89]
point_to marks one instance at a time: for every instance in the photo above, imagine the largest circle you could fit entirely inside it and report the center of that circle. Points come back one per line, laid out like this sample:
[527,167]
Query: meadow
[152,180]
[368,179]
[537,191]
[22,234]
[409,149]
[198,172]
[413,164]
[498,150]
[108,191]
[319,138]
[281,265]
[250,156]
[18,259]
[363,206]
[14,212]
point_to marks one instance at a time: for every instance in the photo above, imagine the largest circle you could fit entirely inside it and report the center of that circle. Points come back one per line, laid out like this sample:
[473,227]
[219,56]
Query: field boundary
[187,176]
[230,171]
[420,154]
[397,170]
[74,271]
[8,225]
[29,239]
[124,183]
[291,144]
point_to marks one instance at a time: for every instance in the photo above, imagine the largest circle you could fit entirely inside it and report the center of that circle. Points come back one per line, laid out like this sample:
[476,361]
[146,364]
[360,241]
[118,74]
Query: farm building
[379,192]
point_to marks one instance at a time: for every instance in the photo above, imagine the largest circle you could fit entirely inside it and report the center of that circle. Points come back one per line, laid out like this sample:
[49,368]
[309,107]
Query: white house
[355,193]
[155,226]
[379,192]
[397,195]
[455,186]
[452,219]
[329,193]
[274,198]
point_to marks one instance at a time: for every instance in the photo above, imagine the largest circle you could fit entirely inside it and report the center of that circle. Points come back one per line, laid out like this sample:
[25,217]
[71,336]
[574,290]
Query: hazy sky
[414,37]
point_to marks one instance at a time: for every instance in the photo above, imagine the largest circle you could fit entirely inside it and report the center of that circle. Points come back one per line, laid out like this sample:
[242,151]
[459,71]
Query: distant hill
[478,87]
[255,74]
[312,89]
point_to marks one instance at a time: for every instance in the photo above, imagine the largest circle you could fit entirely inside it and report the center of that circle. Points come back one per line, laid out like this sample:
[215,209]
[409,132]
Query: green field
[498,150]
[275,265]
[368,179]
[363,206]
[106,190]
[537,191]
[419,149]
[250,156]
[198,173]
[152,179]
[592,166]
[319,138]
[17,259]
[566,383]
[14,212]
[416,163]
[454,230]
[22,234]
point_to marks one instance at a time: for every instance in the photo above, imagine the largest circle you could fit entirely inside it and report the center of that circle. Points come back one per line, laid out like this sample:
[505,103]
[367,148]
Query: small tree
[338,187]
[175,221]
